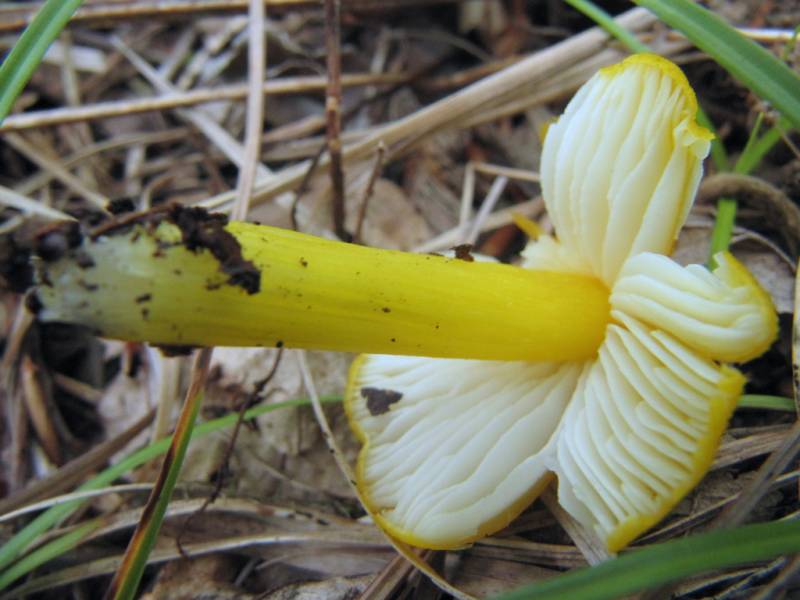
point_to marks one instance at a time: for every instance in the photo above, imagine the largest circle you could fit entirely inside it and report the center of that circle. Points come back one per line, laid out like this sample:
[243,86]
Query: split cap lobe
[465,446]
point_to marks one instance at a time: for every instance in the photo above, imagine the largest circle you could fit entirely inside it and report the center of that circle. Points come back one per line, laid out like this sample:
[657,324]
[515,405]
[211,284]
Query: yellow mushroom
[601,362]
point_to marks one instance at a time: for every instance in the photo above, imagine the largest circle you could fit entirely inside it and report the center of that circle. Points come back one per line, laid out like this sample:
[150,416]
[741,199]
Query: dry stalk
[31,207]
[460,106]
[592,549]
[226,457]
[57,171]
[72,473]
[488,204]
[13,18]
[531,209]
[256,66]
[377,166]
[174,98]
[333,116]
[336,542]
[389,579]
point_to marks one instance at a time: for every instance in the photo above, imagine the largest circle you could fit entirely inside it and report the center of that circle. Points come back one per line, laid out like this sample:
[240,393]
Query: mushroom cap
[455,449]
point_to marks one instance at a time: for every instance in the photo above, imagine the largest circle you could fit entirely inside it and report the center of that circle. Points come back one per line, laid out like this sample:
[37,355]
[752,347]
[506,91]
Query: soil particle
[55,241]
[171,350]
[16,270]
[120,206]
[379,400]
[33,304]
[89,287]
[84,259]
[201,229]
[464,252]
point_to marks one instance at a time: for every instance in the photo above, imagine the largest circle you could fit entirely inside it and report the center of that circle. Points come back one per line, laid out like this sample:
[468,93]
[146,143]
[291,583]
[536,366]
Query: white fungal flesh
[462,444]
[620,167]
[631,444]
[721,314]
[640,422]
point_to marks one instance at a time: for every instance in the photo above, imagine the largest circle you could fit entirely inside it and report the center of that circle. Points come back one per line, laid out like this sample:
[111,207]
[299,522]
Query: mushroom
[600,362]
[453,450]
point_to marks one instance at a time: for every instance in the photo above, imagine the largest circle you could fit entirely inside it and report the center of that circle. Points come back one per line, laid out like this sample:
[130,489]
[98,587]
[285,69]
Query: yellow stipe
[528,226]
[672,71]
[721,407]
[490,526]
[317,293]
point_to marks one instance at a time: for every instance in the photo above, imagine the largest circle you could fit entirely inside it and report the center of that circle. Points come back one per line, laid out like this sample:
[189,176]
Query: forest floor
[141,103]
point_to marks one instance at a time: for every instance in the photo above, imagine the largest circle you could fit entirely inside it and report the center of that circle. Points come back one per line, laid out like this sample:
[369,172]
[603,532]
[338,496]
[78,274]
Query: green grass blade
[748,62]
[49,551]
[41,524]
[670,561]
[756,151]
[607,22]
[129,574]
[767,402]
[723,229]
[27,53]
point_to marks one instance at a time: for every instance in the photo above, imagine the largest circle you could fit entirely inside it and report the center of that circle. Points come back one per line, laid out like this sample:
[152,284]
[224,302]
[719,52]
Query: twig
[592,549]
[531,209]
[226,457]
[782,582]
[497,189]
[178,99]
[16,18]
[373,176]
[335,541]
[467,196]
[68,179]
[510,172]
[302,188]
[388,580]
[753,492]
[14,200]
[322,420]
[333,116]
[74,471]
[461,106]
[256,62]
[748,498]
[82,495]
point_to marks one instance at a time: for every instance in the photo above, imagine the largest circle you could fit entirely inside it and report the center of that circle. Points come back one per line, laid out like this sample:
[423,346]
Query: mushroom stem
[263,286]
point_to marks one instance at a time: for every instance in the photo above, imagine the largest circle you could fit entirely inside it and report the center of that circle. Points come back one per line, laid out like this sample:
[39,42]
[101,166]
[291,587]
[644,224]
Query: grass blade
[723,229]
[671,561]
[748,62]
[126,580]
[766,402]
[41,524]
[27,53]
[607,22]
[49,551]
[750,159]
